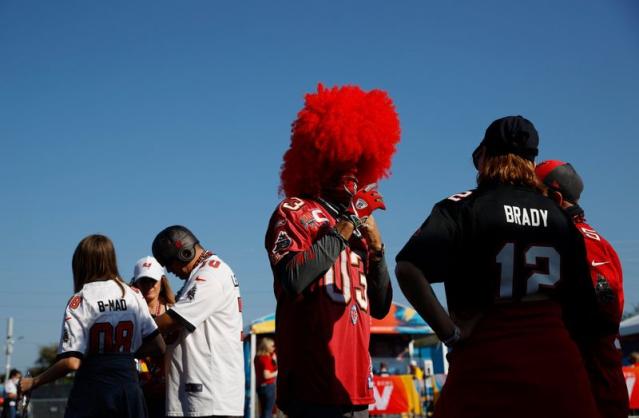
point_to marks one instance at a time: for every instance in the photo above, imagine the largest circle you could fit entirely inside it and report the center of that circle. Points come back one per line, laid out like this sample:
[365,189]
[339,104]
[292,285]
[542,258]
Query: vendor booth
[629,332]
[396,340]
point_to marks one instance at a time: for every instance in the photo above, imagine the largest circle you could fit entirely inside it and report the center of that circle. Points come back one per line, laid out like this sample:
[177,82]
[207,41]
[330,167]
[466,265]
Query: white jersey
[205,370]
[100,320]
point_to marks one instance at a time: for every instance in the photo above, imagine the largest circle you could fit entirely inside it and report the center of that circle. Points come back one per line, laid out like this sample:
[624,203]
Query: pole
[444,352]
[9,349]
[252,363]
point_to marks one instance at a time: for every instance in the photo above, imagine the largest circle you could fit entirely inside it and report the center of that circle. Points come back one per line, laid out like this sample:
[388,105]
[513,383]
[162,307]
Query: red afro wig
[339,129]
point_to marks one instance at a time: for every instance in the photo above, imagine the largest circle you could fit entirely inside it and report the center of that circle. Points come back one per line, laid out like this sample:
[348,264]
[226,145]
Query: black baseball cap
[510,135]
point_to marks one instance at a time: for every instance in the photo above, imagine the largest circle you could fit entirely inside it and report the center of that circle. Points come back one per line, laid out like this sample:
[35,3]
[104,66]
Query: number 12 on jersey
[535,259]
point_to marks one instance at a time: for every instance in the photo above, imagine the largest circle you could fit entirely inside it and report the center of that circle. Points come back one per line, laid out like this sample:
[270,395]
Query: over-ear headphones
[174,243]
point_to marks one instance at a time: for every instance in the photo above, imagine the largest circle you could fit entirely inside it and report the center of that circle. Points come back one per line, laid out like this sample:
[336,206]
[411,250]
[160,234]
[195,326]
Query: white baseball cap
[148,267]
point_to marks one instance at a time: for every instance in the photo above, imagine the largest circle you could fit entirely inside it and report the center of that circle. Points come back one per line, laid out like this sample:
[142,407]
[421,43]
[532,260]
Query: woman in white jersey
[106,323]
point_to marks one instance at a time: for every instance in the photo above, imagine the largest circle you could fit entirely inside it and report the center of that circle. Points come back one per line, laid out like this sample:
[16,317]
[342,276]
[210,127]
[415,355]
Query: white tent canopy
[629,326]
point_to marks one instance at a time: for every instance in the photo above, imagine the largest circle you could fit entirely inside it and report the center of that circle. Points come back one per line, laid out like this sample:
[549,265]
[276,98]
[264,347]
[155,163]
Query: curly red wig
[339,129]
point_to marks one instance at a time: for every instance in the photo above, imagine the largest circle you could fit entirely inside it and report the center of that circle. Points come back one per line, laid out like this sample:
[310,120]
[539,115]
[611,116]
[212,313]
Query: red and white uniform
[205,365]
[603,358]
[99,319]
[322,334]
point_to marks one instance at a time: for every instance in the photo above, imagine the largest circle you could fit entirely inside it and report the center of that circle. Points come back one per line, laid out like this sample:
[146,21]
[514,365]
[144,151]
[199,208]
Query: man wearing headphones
[205,373]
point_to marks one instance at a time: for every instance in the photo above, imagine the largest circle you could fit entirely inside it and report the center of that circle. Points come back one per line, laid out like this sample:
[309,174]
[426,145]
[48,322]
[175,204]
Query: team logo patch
[354,315]
[75,302]
[190,295]
[282,242]
[360,204]
[214,263]
[307,220]
[604,291]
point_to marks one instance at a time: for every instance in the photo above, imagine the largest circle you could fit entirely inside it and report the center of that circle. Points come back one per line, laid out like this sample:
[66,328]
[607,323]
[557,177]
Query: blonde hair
[508,169]
[94,260]
[167,296]
[262,347]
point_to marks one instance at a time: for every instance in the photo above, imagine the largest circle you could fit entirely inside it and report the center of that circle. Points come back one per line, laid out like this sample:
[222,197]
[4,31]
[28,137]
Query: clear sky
[123,117]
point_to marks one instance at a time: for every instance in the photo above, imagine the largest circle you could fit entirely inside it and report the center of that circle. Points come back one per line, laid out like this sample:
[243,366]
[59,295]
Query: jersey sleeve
[74,340]
[205,294]
[432,247]
[285,234]
[616,263]
[146,323]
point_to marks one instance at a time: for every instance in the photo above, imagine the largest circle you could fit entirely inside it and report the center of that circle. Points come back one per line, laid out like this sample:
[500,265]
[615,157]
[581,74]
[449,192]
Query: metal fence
[49,401]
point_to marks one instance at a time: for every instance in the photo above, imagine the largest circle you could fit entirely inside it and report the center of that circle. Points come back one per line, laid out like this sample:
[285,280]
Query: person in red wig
[326,252]
[602,355]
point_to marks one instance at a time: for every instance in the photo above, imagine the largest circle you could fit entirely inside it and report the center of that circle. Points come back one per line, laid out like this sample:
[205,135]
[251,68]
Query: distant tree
[631,312]
[46,357]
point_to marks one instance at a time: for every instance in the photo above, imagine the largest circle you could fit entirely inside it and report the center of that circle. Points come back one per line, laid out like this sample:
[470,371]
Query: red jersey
[603,357]
[264,362]
[322,334]
[605,271]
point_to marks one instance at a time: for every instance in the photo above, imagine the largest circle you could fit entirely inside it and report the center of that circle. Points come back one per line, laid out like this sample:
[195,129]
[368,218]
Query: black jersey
[510,257]
[499,244]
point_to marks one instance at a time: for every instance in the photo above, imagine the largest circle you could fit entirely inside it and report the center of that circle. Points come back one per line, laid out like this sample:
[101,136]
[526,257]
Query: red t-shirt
[323,334]
[603,357]
[263,363]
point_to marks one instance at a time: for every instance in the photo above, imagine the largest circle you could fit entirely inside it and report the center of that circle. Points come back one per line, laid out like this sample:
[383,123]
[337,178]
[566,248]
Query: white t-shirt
[99,319]
[11,388]
[205,370]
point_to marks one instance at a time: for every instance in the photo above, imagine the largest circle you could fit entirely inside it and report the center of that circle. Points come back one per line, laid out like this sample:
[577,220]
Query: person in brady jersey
[326,252]
[517,288]
[602,356]
[105,324]
[205,365]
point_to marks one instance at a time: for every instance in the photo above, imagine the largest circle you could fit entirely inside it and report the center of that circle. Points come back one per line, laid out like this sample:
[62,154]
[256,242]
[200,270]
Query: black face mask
[343,190]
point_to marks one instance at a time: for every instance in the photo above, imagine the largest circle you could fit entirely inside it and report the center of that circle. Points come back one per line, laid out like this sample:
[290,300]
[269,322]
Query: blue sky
[125,117]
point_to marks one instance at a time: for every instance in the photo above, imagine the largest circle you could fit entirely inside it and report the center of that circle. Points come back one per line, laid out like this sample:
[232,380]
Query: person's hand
[25,384]
[367,200]
[372,234]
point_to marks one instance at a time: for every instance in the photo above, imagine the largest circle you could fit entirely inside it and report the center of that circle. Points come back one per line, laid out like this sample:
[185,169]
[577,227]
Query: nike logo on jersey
[599,263]
[526,216]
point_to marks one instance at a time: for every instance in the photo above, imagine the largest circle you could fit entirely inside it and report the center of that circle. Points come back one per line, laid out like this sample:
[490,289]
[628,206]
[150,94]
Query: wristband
[333,231]
[450,341]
